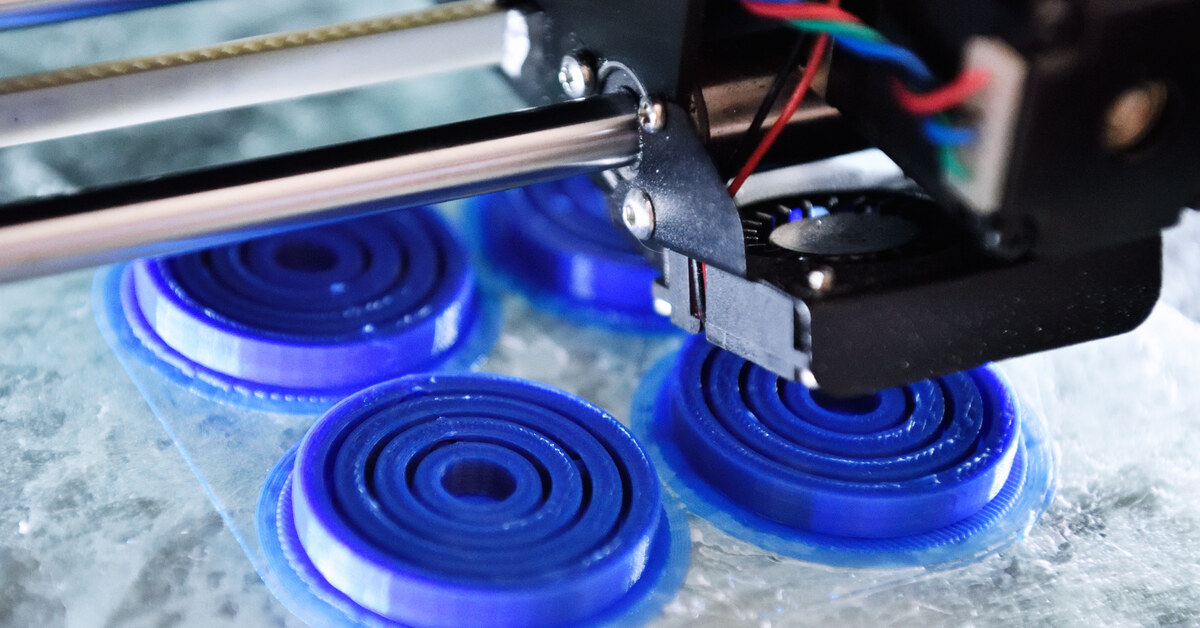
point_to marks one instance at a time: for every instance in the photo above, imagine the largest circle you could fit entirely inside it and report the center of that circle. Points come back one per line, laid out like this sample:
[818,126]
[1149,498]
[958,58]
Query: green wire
[848,29]
[950,163]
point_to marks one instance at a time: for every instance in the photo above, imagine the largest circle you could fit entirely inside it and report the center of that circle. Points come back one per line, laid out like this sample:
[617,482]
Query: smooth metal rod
[271,68]
[209,207]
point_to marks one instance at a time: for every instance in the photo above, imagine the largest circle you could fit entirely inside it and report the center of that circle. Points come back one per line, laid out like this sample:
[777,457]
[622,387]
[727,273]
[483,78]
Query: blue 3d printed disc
[468,500]
[557,243]
[922,468]
[35,13]
[314,313]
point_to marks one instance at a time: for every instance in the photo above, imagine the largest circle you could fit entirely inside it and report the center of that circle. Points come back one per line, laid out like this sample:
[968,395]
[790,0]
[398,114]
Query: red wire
[955,93]
[789,110]
[805,11]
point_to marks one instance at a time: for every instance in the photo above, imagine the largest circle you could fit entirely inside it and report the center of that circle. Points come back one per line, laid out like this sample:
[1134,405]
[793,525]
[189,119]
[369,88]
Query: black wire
[754,134]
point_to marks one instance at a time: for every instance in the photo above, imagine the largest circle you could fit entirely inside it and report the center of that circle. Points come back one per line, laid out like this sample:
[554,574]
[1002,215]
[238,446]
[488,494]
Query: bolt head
[638,214]
[577,76]
[1133,116]
[652,114]
[821,280]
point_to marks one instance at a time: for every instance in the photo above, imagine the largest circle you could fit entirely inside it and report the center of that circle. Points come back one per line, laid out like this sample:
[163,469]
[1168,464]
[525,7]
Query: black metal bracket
[693,212]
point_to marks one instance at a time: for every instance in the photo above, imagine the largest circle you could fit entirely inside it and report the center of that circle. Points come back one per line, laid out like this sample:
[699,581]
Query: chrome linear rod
[204,208]
[258,70]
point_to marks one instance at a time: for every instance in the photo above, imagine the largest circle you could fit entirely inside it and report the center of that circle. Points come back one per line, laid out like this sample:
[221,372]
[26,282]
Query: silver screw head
[577,75]
[652,114]
[638,214]
[1133,116]
[821,279]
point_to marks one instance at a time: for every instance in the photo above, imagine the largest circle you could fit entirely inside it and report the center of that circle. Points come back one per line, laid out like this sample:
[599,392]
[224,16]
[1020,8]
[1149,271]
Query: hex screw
[652,115]
[638,214]
[577,75]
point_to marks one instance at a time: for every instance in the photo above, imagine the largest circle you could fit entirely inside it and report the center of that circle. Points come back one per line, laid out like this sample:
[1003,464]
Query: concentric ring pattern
[456,500]
[903,462]
[557,237]
[330,308]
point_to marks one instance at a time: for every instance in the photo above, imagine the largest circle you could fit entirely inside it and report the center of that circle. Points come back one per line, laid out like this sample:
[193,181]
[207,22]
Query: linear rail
[114,94]
[208,207]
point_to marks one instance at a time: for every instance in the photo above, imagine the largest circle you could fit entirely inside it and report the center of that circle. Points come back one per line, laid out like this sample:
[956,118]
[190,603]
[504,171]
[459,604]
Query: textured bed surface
[103,524]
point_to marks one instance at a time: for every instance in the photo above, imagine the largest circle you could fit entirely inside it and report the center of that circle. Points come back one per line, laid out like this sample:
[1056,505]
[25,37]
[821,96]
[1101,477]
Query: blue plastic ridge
[936,473]
[555,243]
[299,320]
[457,500]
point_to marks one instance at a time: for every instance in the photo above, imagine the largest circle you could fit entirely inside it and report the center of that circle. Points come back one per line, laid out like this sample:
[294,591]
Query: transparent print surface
[101,522]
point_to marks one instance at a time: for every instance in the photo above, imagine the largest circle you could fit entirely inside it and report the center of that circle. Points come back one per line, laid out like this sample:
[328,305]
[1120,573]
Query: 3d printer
[1025,213]
[961,182]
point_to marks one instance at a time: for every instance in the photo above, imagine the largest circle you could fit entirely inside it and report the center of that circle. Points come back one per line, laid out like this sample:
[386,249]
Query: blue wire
[946,135]
[936,132]
[878,50]
[888,52]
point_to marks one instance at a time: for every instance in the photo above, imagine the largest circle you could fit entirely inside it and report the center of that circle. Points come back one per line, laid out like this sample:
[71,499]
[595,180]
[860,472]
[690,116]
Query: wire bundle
[832,23]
